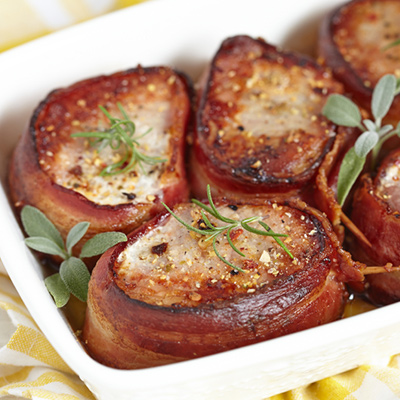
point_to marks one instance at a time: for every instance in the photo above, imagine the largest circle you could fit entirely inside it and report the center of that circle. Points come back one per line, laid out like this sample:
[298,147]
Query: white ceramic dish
[184,34]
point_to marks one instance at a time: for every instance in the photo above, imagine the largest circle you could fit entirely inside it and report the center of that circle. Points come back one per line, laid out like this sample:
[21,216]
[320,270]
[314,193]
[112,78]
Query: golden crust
[352,41]
[259,126]
[126,330]
[48,165]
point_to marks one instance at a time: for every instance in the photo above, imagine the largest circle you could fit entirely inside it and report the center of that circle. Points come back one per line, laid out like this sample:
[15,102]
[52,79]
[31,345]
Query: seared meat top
[150,97]
[361,30]
[260,119]
[170,265]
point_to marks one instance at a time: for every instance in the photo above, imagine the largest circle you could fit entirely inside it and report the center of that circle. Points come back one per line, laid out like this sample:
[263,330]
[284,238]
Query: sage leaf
[37,224]
[365,143]
[385,129]
[382,96]
[76,277]
[397,86]
[342,111]
[76,234]
[57,289]
[370,125]
[100,243]
[44,245]
[350,169]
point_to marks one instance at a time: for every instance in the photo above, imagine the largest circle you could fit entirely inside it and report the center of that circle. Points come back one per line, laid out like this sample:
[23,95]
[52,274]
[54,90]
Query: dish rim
[87,368]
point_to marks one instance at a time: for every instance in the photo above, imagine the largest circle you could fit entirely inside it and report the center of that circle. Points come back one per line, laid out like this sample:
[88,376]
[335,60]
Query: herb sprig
[74,276]
[213,232]
[342,111]
[121,133]
[391,44]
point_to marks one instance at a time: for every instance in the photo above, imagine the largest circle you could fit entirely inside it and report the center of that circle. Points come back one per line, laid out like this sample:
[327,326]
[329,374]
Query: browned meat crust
[259,127]
[376,213]
[60,175]
[148,308]
[352,41]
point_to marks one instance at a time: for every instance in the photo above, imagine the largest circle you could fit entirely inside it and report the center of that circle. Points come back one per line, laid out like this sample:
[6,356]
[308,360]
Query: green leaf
[250,229]
[37,224]
[385,129]
[276,238]
[76,277]
[365,143]
[370,125]
[342,111]
[391,44]
[350,169]
[216,212]
[223,259]
[121,135]
[397,86]
[204,207]
[228,237]
[76,234]
[100,243]
[214,231]
[187,226]
[98,135]
[44,245]
[57,289]
[383,96]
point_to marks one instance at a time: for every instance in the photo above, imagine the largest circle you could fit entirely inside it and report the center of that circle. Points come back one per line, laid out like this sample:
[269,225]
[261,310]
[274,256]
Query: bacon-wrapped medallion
[376,211]
[61,175]
[259,128]
[165,296]
[352,43]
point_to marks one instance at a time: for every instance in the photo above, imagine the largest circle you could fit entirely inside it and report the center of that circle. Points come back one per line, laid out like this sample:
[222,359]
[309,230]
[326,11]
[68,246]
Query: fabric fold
[30,368]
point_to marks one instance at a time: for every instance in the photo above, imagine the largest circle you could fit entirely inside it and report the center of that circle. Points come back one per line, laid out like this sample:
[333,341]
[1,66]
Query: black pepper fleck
[130,196]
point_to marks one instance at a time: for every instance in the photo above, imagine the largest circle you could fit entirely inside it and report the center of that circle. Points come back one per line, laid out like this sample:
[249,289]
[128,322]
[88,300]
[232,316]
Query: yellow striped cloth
[31,369]
[29,366]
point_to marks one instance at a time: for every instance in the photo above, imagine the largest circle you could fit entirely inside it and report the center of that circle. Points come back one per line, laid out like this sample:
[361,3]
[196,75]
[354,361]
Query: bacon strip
[376,213]
[146,310]
[60,175]
[259,127]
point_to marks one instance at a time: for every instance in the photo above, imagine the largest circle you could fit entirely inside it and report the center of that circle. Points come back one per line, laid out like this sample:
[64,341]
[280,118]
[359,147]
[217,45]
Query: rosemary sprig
[120,133]
[213,231]
[342,111]
[391,44]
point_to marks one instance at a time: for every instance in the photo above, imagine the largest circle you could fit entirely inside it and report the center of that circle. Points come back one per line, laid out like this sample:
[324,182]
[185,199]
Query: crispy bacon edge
[381,226]
[204,169]
[126,333]
[30,185]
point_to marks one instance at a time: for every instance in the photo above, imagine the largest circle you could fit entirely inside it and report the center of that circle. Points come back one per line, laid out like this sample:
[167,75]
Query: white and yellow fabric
[29,366]
[23,20]
[31,369]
